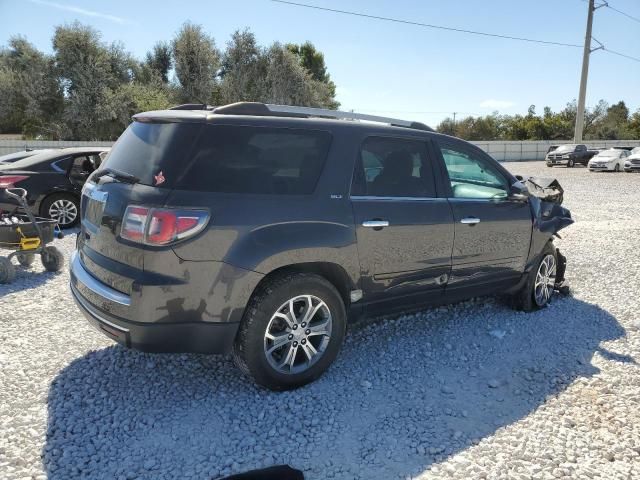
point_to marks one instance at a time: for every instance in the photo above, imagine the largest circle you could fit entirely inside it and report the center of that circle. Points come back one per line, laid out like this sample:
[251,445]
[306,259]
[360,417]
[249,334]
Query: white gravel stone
[74,405]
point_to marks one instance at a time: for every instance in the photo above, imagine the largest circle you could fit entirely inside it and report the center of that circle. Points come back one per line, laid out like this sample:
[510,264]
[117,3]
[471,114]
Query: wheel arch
[332,272]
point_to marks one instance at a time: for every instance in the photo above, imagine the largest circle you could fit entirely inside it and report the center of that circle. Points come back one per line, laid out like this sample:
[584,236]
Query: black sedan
[15,156]
[53,181]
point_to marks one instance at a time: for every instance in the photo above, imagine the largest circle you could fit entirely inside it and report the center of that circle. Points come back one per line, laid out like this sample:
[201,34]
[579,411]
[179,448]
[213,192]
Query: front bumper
[634,167]
[554,162]
[601,168]
[116,315]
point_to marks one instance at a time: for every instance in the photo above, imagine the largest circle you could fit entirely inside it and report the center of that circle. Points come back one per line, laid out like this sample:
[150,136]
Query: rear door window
[393,167]
[257,160]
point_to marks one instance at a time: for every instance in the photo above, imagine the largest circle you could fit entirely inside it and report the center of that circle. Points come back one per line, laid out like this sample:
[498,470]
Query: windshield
[12,157]
[27,163]
[145,150]
[565,148]
[610,153]
[635,150]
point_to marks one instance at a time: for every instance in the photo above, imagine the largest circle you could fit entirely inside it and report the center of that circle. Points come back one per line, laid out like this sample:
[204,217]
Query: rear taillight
[161,226]
[8,181]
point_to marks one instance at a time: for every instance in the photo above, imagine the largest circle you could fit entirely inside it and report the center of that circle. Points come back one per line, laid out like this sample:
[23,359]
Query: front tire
[539,287]
[570,163]
[291,332]
[62,207]
[616,168]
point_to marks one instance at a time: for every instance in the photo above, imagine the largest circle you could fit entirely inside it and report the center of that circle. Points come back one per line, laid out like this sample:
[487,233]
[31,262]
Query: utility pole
[454,123]
[585,72]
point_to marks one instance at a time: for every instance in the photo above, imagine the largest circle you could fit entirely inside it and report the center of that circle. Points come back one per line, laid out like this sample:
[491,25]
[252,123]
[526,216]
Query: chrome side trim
[470,220]
[396,199]
[97,287]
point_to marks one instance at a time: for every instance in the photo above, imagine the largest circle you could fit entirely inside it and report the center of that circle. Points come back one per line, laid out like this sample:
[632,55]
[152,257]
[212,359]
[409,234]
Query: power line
[427,25]
[621,54]
[635,19]
[453,29]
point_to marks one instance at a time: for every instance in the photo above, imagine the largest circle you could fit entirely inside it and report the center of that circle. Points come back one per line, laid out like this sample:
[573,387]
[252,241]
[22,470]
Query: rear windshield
[222,158]
[145,150]
[258,160]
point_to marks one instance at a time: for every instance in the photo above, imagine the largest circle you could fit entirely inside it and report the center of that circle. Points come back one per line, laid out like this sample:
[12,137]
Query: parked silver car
[611,160]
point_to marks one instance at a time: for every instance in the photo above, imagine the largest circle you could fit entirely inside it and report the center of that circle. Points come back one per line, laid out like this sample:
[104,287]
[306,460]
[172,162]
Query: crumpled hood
[546,196]
[547,189]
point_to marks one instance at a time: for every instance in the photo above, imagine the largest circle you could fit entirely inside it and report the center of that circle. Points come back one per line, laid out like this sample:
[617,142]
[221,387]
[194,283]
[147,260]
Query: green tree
[243,69]
[313,62]
[30,97]
[159,60]
[197,61]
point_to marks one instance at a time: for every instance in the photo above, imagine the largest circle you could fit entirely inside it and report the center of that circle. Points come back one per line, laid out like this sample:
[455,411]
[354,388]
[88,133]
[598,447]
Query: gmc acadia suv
[261,230]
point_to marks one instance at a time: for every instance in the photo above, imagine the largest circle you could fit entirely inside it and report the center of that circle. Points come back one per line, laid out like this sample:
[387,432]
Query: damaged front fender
[546,196]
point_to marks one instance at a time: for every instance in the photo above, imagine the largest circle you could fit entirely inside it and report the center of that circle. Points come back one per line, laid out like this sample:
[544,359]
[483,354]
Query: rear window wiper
[117,174]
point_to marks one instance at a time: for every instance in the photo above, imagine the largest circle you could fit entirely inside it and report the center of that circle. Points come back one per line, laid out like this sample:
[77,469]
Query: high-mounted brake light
[161,226]
[8,181]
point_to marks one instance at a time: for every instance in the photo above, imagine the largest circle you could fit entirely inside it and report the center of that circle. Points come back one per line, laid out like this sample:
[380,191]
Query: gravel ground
[469,391]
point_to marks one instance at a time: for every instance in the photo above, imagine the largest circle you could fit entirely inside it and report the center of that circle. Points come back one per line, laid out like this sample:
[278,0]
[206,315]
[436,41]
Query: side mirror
[518,197]
[518,192]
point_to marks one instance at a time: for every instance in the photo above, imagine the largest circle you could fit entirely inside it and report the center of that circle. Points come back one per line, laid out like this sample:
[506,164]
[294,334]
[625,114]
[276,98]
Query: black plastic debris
[277,472]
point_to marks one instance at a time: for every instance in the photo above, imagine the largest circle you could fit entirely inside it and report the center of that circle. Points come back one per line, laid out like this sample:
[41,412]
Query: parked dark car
[15,156]
[569,155]
[53,181]
[260,230]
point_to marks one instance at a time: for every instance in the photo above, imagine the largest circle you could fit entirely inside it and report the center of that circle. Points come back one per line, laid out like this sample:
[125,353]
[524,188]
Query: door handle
[375,223]
[470,220]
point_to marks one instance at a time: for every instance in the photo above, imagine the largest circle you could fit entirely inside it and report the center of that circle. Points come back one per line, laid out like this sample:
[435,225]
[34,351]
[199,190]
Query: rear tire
[529,298]
[52,259]
[7,270]
[62,207]
[277,350]
[26,259]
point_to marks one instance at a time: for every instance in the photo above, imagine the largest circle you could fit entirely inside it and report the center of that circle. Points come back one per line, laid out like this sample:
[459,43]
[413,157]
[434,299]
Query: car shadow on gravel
[404,395]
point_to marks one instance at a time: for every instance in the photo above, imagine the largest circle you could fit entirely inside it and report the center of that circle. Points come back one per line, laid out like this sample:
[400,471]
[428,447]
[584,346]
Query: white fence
[501,151]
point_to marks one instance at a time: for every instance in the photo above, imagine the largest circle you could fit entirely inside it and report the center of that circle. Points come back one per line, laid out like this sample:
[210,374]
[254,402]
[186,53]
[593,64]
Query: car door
[492,228]
[404,231]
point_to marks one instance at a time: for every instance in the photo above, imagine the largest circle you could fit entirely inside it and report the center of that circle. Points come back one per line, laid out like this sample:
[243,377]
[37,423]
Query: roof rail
[262,109]
[192,106]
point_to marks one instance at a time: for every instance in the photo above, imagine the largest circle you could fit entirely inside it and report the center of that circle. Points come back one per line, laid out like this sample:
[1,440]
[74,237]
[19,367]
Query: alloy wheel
[545,280]
[298,334]
[63,211]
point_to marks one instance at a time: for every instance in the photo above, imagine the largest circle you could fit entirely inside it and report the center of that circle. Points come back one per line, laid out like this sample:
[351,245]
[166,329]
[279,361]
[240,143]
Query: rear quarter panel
[265,232]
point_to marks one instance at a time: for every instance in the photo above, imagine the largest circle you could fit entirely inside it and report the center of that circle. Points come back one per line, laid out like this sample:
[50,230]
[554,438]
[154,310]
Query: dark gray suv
[262,230]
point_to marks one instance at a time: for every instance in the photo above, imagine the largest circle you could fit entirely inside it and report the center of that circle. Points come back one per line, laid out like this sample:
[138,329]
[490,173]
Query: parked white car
[611,160]
[632,162]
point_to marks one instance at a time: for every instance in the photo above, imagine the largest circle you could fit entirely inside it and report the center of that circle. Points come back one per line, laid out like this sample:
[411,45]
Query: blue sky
[386,68]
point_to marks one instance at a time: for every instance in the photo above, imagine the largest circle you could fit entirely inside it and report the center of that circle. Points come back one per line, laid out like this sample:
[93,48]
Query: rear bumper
[160,338]
[117,315]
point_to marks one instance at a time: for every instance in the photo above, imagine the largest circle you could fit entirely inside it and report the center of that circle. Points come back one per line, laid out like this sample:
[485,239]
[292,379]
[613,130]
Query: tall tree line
[88,89]
[602,122]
